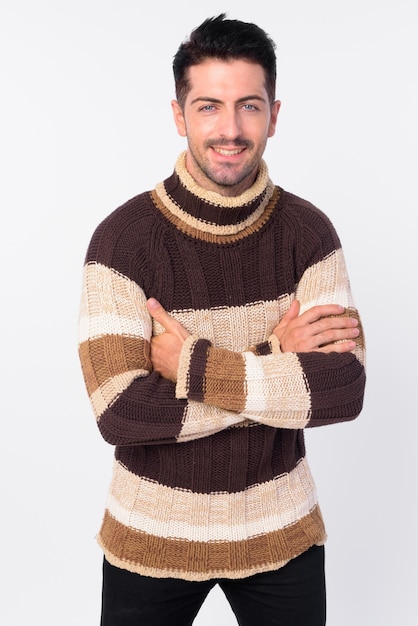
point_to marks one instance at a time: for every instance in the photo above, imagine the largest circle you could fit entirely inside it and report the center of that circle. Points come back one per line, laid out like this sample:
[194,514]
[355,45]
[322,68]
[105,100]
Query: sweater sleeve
[283,390]
[132,404]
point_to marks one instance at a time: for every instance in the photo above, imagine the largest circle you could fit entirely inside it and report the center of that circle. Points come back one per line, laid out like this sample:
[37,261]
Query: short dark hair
[223,39]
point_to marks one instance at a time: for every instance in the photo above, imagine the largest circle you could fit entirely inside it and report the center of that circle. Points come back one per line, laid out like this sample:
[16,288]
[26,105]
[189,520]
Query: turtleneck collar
[185,202]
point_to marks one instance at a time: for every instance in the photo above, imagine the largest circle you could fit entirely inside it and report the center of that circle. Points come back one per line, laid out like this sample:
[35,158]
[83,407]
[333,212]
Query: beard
[226,174]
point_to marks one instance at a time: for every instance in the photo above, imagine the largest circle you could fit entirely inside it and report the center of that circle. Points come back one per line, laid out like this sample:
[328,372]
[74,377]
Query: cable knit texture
[210,475]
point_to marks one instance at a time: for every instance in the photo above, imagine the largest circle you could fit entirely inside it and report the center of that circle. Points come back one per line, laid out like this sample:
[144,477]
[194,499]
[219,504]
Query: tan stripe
[230,392]
[360,340]
[162,557]
[169,512]
[110,356]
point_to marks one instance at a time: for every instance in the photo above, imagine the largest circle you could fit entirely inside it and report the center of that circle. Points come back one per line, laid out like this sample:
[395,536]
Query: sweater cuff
[274,342]
[183,376]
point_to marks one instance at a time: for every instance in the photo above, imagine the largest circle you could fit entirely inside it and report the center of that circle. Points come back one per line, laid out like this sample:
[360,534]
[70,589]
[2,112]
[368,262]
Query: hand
[166,348]
[317,329]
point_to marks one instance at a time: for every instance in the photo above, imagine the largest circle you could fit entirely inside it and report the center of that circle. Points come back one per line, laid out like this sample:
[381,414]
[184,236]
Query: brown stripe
[110,356]
[262,349]
[143,552]
[212,237]
[274,452]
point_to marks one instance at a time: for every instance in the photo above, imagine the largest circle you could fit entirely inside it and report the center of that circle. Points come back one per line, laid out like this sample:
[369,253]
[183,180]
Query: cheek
[200,131]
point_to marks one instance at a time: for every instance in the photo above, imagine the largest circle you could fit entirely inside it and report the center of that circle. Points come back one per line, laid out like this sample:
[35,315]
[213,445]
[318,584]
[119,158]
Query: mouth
[225,152]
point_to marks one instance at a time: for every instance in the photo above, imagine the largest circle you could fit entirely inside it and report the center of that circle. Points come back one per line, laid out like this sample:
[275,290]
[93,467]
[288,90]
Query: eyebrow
[217,101]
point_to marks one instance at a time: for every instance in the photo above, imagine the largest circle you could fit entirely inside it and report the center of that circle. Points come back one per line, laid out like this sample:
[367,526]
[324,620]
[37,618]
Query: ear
[275,108]
[179,118]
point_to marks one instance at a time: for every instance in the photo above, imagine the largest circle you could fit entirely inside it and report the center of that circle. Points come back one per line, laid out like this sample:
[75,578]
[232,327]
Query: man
[217,323]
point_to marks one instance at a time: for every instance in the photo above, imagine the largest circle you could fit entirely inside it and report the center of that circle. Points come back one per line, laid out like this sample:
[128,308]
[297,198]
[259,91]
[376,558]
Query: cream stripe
[257,396]
[111,304]
[224,327]
[184,366]
[271,378]
[162,511]
[194,576]
[203,418]
[325,282]
[260,183]
[206,227]
[93,326]
[114,304]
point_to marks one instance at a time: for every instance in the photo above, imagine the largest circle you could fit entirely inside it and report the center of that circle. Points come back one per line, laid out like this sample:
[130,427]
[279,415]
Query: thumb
[157,311]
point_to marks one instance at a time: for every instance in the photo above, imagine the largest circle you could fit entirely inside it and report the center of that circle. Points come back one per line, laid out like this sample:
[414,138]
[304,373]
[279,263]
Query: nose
[229,124]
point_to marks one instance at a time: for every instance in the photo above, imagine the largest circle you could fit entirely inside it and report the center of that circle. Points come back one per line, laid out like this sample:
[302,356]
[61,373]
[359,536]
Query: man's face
[227,119]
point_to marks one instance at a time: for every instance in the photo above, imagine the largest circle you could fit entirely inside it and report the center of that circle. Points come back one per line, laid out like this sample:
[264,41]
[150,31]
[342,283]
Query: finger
[331,336]
[322,310]
[335,328]
[342,347]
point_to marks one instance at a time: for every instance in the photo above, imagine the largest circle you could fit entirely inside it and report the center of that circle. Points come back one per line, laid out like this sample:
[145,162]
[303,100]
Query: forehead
[220,79]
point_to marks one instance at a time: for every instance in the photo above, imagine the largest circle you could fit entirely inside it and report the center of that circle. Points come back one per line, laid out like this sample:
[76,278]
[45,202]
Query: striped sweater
[210,475]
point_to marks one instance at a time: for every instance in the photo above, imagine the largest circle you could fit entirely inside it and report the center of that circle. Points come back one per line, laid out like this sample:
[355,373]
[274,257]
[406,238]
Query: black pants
[294,595]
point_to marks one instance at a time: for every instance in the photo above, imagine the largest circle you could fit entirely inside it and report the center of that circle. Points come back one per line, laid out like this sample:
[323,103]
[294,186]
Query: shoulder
[302,208]
[308,231]
[123,228]
[127,213]
[307,215]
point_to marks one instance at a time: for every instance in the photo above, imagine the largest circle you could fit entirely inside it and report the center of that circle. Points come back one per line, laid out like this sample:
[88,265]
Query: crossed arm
[321,328]
[174,386]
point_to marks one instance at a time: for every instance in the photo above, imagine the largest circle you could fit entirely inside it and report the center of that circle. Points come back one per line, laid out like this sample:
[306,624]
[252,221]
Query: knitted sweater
[210,475]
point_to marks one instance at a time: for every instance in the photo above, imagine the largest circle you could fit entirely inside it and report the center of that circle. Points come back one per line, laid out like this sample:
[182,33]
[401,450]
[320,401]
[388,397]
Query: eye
[207,107]
[249,107]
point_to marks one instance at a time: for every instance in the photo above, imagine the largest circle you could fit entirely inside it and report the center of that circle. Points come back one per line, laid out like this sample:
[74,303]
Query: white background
[86,124]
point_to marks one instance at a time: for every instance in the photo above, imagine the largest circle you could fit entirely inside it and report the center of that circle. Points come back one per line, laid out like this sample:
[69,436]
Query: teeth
[228,152]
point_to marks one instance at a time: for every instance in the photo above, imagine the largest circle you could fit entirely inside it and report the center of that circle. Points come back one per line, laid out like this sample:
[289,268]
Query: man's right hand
[322,328]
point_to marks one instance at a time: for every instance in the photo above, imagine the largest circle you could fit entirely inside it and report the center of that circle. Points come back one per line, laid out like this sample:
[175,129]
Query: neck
[222,199]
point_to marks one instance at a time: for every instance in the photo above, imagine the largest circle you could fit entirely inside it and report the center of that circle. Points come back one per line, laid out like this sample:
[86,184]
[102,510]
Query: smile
[224,152]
